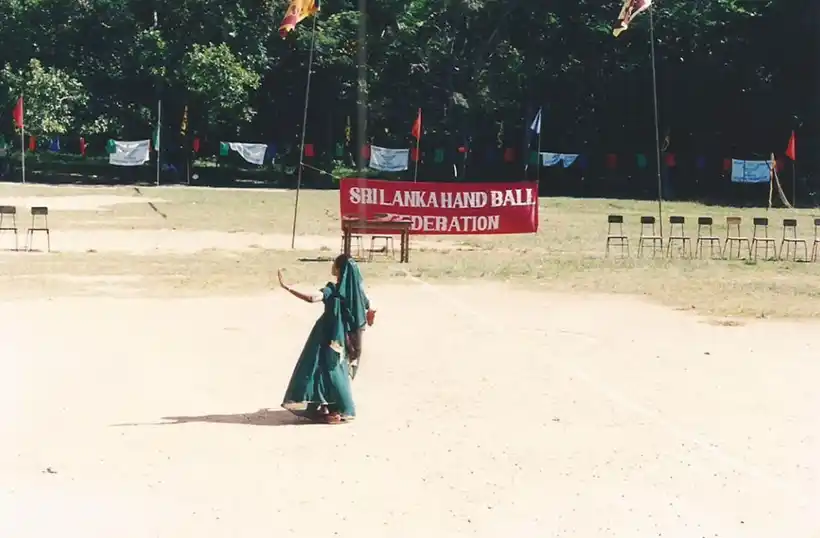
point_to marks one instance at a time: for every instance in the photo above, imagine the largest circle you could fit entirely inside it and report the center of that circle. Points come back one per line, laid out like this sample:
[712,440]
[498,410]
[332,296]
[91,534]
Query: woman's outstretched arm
[308,298]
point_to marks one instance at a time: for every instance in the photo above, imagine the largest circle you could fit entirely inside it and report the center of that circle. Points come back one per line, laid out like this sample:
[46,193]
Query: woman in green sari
[319,388]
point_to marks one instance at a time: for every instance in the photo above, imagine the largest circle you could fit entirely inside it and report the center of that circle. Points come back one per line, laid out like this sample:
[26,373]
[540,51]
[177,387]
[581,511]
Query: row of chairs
[789,240]
[39,223]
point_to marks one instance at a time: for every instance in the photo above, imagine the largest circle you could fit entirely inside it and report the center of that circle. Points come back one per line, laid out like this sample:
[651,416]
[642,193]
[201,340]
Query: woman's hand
[281,279]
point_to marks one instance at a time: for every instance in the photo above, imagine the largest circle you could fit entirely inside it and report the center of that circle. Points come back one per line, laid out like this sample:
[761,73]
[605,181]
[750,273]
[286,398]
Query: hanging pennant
[612,161]
[54,146]
[509,155]
[727,165]
[110,146]
[309,151]
[224,149]
[534,158]
[82,146]
[366,152]
[340,150]
[670,160]
[642,161]
[438,156]
[700,162]
[270,154]
[32,143]
[195,145]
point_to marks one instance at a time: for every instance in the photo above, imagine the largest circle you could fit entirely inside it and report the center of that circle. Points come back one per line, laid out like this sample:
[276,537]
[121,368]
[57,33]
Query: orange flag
[298,10]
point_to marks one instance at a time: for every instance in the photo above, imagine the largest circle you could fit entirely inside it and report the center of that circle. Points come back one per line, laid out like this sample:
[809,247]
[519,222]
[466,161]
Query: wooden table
[353,226]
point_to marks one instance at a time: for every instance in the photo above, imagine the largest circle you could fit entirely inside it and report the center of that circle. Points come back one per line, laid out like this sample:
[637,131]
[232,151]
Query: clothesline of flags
[399,159]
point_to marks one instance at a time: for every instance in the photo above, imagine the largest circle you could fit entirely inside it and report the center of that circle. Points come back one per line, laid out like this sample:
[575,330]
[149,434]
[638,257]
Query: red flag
[790,151]
[416,130]
[195,145]
[414,154]
[82,146]
[309,151]
[612,161]
[32,143]
[18,113]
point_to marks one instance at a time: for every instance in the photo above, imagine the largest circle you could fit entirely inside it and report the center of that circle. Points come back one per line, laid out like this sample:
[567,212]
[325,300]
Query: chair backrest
[647,220]
[760,221]
[8,210]
[733,221]
[705,221]
[676,219]
[39,210]
[790,223]
[817,222]
[615,219]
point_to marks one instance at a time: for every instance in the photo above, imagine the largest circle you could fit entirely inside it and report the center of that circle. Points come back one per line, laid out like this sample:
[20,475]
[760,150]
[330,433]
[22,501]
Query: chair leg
[48,239]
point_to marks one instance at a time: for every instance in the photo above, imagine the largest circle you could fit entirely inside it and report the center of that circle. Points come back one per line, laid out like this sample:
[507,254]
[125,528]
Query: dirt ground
[144,362]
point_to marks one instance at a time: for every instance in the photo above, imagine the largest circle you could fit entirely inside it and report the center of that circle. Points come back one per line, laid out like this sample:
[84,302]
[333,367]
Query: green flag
[641,161]
[223,149]
[533,158]
[155,139]
[438,157]
[110,146]
[340,150]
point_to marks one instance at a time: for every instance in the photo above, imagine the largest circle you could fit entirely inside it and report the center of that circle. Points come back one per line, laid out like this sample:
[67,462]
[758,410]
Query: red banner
[444,208]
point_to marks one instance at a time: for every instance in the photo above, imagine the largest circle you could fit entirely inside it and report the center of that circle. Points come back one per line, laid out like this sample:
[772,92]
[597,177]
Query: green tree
[52,97]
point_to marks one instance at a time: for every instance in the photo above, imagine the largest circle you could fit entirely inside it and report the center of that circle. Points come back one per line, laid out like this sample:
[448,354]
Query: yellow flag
[347,131]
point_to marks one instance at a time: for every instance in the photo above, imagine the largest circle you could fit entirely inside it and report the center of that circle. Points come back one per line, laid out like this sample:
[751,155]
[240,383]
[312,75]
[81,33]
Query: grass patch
[566,255]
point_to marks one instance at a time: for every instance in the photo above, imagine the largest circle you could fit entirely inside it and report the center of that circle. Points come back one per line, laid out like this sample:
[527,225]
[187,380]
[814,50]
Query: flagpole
[794,185]
[23,137]
[304,131]
[159,135]
[657,126]
[418,144]
[538,153]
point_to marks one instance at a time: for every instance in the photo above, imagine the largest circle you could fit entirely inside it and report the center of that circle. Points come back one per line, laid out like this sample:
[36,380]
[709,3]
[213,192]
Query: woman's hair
[340,261]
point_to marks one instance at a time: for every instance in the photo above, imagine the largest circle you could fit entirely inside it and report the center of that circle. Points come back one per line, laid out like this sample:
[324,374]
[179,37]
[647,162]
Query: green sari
[321,375]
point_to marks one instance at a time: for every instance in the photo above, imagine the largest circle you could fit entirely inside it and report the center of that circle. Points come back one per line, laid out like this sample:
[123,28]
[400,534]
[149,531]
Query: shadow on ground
[263,417]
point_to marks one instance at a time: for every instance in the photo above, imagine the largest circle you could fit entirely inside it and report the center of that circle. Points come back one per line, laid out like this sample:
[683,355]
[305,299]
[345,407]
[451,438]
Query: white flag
[253,153]
[536,123]
[389,160]
[130,153]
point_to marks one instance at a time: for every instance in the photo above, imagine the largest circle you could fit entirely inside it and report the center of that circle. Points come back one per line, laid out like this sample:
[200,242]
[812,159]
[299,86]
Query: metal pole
[304,131]
[23,139]
[159,135]
[794,185]
[538,154]
[657,126]
[418,154]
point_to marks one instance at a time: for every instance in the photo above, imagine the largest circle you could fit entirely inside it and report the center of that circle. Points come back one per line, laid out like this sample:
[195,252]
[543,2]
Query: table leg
[406,235]
[347,242]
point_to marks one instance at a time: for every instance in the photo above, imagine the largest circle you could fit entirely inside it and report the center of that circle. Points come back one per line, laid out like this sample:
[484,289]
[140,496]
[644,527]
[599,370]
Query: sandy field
[141,406]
